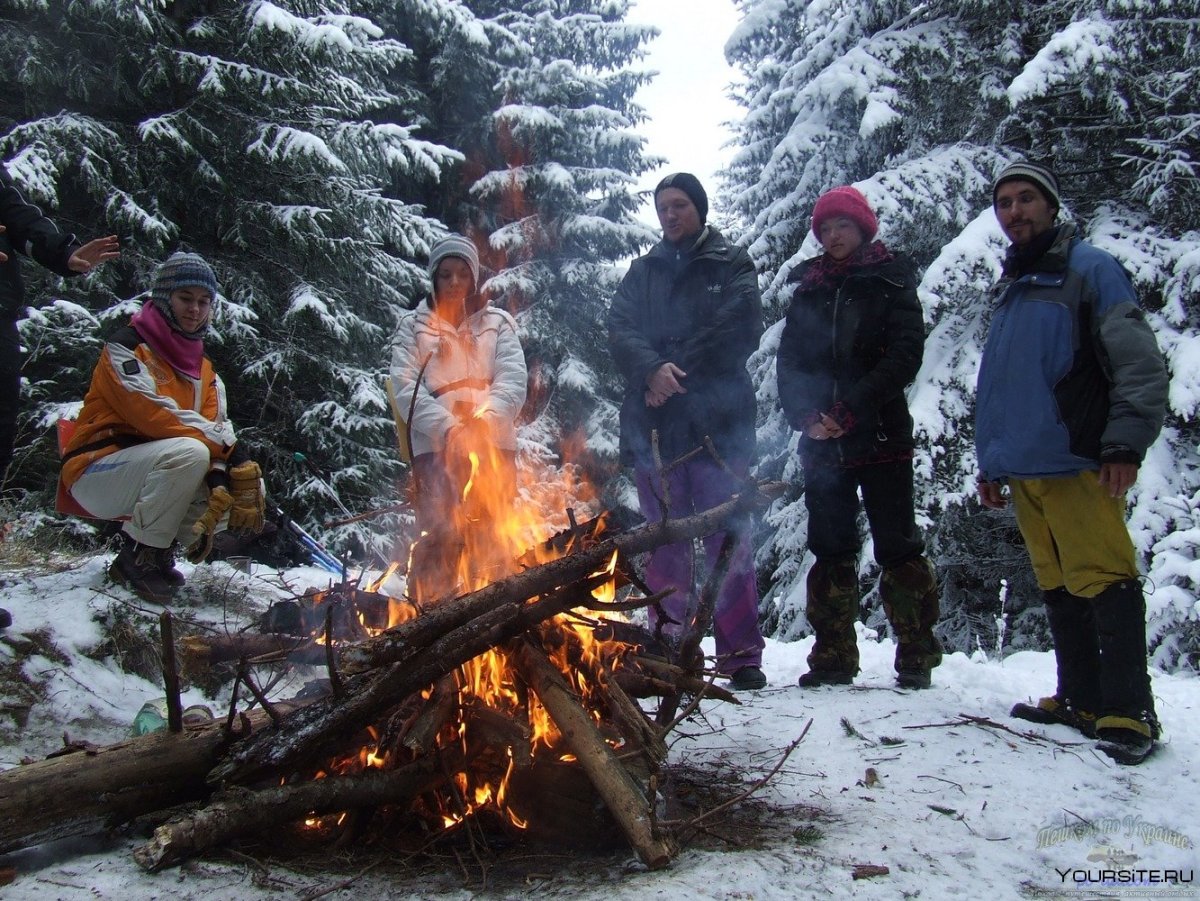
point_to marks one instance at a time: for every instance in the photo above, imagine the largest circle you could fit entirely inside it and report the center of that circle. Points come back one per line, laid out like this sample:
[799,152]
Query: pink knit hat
[849,202]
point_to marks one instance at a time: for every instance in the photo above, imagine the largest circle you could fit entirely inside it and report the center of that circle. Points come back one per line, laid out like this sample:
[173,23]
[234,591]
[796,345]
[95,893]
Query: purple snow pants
[696,486]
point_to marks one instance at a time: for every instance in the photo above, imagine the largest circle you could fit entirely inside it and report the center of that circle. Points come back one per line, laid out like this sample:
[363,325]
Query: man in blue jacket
[1072,391]
[684,322]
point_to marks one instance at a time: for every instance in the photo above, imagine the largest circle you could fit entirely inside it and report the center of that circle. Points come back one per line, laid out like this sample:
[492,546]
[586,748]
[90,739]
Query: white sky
[687,101]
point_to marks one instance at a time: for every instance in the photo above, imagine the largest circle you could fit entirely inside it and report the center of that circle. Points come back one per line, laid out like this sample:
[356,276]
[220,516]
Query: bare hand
[94,253]
[1117,478]
[825,427]
[663,384]
[991,495]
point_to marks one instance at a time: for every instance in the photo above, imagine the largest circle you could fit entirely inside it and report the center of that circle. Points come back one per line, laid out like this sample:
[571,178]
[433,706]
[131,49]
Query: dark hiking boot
[1053,711]
[1125,739]
[166,566]
[748,678]
[913,678]
[816,678]
[137,568]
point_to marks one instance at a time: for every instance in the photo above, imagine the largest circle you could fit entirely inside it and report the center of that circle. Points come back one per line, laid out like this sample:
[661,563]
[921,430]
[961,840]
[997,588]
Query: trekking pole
[320,476]
[320,555]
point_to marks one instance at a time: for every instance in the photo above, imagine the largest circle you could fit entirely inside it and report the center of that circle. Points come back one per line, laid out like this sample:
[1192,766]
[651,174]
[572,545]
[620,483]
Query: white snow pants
[159,485]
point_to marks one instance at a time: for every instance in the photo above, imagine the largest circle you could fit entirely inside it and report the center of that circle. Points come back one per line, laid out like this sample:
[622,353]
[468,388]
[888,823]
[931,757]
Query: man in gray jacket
[1072,391]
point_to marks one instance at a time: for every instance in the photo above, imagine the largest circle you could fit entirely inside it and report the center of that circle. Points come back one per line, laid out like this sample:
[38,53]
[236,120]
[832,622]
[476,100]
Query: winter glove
[219,502]
[245,484]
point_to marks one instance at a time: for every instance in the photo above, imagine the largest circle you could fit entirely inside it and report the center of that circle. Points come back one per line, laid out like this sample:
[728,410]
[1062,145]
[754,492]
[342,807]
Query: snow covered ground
[941,787]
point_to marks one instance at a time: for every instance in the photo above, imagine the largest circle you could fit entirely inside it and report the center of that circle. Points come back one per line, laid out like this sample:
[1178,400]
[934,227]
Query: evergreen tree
[266,137]
[920,106]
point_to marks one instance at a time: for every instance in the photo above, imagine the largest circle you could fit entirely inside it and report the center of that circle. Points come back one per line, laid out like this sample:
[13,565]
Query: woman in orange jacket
[153,444]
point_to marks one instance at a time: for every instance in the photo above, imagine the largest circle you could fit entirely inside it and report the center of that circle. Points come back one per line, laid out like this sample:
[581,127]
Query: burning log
[396,644]
[238,812]
[612,781]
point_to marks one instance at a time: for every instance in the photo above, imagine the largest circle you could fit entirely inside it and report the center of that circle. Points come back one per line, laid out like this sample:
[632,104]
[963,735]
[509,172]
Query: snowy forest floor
[941,787]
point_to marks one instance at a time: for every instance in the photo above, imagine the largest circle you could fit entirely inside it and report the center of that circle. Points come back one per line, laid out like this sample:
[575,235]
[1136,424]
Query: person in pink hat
[851,344]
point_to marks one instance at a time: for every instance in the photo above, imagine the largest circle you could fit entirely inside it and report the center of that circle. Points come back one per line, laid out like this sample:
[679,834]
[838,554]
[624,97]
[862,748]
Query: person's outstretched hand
[93,254]
[663,384]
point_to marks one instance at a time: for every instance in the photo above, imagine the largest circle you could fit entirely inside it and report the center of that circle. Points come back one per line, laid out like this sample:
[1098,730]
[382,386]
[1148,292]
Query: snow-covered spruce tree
[919,106]
[266,136]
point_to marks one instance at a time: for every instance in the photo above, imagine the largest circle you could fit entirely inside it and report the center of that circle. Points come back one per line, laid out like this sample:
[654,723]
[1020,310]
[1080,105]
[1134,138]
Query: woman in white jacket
[458,366]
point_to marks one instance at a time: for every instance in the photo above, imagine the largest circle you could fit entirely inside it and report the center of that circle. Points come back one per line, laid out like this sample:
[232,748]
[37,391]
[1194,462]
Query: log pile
[402,730]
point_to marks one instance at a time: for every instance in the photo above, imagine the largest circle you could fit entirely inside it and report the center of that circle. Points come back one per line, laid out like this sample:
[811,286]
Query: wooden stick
[612,782]
[422,735]
[170,673]
[335,679]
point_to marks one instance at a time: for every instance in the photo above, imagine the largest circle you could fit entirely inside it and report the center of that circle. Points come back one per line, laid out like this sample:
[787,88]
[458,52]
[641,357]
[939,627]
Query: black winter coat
[859,345]
[701,311]
[27,233]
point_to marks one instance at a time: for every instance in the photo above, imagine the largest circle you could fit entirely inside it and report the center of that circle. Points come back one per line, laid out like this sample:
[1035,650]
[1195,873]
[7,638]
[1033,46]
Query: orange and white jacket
[136,397]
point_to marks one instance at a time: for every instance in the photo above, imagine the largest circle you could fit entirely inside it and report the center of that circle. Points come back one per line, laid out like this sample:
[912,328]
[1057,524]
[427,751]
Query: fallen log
[77,793]
[240,812]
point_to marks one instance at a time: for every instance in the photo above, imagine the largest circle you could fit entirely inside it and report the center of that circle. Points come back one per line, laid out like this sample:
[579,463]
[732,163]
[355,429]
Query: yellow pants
[1075,533]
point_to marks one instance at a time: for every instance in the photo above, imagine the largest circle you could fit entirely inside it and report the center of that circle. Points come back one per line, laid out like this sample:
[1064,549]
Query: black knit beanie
[689,185]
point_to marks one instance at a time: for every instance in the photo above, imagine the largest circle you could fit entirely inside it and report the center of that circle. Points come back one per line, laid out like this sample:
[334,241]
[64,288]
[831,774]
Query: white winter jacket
[479,365]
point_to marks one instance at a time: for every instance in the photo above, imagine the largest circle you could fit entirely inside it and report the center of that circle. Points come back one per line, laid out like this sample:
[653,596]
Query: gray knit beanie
[1037,175]
[181,270]
[454,246]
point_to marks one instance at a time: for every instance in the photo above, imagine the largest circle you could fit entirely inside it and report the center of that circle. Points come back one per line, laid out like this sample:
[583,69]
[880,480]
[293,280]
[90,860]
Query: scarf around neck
[826,272]
[176,349]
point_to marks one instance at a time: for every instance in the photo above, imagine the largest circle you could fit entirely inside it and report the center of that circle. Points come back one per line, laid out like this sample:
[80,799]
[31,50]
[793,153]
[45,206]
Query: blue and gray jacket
[1071,374]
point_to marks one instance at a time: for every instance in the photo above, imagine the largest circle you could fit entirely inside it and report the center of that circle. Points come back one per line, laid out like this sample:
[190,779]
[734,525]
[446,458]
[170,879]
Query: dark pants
[11,360]
[831,495]
[694,487]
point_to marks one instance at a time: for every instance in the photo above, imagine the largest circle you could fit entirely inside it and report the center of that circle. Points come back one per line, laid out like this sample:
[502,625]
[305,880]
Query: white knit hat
[454,246]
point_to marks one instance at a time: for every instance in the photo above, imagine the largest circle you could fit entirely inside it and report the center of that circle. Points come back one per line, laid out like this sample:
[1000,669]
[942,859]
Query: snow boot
[910,599]
[817,678]
[166,566]
[1072,623]
[1128,726]
[1125,739]
[832,610]
[748,678]
[1053,711]
[137,567]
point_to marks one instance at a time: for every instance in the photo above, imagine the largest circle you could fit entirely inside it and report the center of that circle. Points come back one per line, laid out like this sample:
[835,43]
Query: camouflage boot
[832,610]
[910,599]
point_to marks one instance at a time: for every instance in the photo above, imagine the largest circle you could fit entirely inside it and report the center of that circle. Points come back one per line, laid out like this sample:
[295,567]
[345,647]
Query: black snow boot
[1127,726]
[138,568]
[1077,654]
[166,566]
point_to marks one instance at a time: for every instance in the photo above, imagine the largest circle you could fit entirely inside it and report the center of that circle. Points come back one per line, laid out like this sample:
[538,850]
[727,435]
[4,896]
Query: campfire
[504,694]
